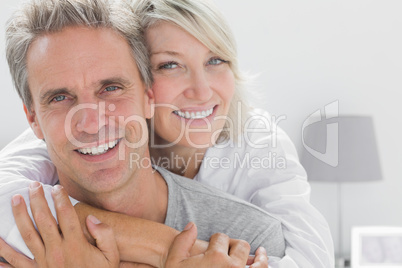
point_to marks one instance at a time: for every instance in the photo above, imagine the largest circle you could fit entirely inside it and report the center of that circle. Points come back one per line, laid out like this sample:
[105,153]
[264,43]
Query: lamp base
[341,262]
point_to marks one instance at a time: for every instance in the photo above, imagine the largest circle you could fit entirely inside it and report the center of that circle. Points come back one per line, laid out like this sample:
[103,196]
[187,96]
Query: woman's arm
[64,244]
[138,240]
[22,161]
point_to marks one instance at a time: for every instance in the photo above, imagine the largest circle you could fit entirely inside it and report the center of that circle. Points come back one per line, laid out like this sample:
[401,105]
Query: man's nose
[90,118]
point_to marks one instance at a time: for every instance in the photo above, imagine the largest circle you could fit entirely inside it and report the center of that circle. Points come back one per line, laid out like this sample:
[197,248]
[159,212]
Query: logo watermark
[269,160]
[111,127]
[330,154]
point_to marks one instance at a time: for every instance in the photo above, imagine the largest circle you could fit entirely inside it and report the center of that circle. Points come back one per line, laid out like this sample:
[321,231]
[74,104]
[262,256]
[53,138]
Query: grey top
[214,211]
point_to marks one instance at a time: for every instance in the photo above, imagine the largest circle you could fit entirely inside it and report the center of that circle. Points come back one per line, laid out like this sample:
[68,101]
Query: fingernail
[16,200]
[3,262]
[263,249]
[57,188]
[34,185]
[93,219]
[188,226]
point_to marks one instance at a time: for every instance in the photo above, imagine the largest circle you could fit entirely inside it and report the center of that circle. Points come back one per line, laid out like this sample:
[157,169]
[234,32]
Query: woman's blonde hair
[202,19]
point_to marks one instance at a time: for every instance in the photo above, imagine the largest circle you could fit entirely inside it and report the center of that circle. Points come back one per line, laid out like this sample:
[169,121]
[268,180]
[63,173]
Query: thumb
[104,237]
[182,244]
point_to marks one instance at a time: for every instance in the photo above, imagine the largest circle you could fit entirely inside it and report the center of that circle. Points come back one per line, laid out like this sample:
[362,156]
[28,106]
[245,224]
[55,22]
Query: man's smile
[100,149]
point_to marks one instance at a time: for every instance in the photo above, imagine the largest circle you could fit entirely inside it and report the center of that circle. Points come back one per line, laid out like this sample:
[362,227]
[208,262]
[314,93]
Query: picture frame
[376,247]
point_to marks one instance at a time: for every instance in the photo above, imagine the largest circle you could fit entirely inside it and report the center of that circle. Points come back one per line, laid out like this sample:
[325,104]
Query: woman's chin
[197,141]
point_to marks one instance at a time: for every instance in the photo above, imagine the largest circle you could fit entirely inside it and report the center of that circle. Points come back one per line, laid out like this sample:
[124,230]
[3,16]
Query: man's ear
[33,122]
[149,104]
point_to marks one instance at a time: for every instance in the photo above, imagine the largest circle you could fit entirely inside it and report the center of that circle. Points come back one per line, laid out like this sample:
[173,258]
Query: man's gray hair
[38,17]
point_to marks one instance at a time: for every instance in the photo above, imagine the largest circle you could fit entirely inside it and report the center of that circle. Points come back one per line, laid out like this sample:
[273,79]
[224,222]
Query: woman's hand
[52,247]
[260,260]
[221,252]
[13,257]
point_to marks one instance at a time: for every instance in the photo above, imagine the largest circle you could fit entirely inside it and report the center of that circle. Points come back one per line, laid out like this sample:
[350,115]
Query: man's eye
[168,65]
[59,98]
[111,88]
[216,61]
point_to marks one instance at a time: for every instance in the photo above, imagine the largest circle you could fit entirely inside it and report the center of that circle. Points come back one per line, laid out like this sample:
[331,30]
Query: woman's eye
[216,61]
[168,65]
[59,98]
[111,88]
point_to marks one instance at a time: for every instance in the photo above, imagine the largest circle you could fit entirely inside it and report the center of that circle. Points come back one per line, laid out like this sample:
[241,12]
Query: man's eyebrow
[51,93]
[62,91]
[112,80]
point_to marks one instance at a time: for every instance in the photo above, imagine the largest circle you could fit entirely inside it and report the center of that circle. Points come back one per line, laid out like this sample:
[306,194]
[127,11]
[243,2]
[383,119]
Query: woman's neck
[181,160]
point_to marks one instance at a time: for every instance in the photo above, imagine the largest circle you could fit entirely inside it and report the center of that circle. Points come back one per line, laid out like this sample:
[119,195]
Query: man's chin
[104,180]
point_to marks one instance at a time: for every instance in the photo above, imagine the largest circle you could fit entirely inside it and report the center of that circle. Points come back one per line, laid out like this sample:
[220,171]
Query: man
[81,70]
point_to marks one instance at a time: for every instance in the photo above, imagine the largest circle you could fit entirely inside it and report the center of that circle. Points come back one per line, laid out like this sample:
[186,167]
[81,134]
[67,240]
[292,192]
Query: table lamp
[341,150]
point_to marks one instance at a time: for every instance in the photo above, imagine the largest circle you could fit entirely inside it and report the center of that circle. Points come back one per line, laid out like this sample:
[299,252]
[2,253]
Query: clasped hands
[65,245]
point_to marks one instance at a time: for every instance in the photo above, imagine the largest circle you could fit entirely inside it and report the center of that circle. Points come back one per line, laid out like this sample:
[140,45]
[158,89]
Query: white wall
[12,119]
[308,54]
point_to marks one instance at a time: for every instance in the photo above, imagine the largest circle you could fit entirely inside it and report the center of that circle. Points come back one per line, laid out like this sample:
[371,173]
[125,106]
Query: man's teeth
[101,149]
[194,115]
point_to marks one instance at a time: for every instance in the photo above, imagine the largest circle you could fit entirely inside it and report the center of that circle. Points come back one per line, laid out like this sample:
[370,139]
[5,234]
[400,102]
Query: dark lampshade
[341,149]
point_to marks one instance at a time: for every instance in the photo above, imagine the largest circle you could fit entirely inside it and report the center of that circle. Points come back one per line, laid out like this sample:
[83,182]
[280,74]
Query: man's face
[88,101]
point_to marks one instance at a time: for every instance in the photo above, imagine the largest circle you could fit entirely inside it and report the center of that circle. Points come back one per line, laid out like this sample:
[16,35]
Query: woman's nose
[199,87]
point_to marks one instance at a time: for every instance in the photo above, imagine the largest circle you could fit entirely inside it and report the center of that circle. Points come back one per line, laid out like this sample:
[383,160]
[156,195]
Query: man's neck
[146,196]
[146,199]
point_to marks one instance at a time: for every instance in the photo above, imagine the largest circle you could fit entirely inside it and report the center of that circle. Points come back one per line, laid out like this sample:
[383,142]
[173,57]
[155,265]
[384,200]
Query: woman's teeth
[194,115]
[101,149]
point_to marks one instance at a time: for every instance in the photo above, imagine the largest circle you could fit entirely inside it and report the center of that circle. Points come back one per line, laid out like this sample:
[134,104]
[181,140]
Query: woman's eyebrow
[171,53]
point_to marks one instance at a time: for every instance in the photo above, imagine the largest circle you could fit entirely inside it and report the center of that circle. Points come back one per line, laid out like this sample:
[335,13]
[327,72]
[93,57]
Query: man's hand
[221,252]
[54,247]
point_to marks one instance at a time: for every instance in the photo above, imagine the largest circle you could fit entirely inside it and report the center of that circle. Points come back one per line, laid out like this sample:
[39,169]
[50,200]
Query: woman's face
[193,87]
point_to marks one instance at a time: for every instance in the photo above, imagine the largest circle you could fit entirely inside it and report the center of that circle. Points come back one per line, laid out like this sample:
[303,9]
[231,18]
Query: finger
[44,219]
[14,258]
[104,238]
[219,243]
[239,251]
[250,259]
[68,220]
[5,265]
[182,244]
[261,258]
[26,227]
[124,264]
[134,265]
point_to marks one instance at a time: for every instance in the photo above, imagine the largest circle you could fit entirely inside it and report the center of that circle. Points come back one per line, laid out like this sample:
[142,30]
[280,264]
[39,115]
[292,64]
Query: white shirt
[270,177]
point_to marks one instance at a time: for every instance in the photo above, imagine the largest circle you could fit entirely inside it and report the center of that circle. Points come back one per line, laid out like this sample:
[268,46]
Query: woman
[196,84]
